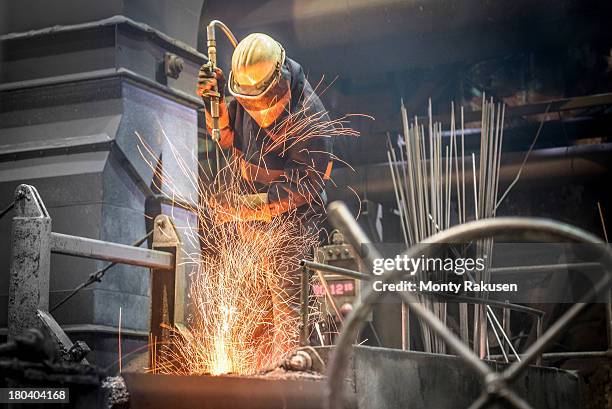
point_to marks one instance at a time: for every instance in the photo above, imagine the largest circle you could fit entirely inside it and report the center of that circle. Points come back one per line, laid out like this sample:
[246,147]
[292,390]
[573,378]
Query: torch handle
[211,43]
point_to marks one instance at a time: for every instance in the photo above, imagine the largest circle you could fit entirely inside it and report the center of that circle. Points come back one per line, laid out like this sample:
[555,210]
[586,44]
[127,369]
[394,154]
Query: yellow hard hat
[256,63]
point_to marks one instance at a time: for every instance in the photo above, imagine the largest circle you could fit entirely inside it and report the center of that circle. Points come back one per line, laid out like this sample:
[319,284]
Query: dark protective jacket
[291,159]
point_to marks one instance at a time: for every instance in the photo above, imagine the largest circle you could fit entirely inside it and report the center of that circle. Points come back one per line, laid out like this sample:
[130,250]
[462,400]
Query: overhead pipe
[544,167]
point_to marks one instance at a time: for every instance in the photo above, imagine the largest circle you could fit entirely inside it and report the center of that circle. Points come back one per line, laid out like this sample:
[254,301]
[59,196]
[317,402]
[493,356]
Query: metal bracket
[30,261]
[28,203]
[167,287]
[71,352]
[173,65]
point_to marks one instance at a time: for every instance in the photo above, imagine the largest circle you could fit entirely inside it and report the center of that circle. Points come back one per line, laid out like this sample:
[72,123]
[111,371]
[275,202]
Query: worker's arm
[307,168]
[206,84]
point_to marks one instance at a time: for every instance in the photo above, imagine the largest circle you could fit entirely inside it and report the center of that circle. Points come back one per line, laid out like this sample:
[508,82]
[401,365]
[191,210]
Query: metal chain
[96,277]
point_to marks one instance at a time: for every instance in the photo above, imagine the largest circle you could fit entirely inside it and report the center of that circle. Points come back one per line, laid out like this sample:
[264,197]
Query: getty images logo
[411,265]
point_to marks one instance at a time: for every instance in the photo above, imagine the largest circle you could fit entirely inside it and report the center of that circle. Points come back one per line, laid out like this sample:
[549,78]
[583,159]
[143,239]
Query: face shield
[268,106]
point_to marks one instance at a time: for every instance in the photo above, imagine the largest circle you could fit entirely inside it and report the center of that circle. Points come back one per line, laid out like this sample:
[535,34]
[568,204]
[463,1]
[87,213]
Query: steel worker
[263,123]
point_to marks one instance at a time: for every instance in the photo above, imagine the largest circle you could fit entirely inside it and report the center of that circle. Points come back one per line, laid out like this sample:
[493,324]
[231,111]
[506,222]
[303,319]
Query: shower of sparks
[234,326]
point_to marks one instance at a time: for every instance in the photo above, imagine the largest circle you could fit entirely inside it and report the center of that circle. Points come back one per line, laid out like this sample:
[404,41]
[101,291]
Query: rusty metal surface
[221,392]
[167,307]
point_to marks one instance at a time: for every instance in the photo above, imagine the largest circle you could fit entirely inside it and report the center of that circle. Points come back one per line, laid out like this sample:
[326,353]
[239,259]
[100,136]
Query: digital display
[336,288]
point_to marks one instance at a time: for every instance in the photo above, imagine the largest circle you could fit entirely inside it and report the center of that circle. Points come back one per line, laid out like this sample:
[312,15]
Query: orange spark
[233,326]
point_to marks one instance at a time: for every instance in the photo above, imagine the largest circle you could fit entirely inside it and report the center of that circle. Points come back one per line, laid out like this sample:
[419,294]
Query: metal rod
[499,342]
[328,294]
[563,355]
[304,277]
[526,157]
[7,209]
[539,329]
[603,223]
[400,208]
[97,275]
[405,327]
[545,268]
[475,187]
[482,301]
[335,270]
[463,219]
[609,319]
[114,252]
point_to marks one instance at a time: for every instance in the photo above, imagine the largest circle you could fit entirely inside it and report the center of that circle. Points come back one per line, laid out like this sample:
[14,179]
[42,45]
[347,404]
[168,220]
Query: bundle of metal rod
[485,200]
[430,190]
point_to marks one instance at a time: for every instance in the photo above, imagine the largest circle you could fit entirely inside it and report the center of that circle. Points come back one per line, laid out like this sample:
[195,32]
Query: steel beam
[114,252]
[167,287]
[30,261]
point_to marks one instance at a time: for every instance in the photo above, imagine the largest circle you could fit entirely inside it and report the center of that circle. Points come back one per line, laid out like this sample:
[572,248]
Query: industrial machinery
[337,294]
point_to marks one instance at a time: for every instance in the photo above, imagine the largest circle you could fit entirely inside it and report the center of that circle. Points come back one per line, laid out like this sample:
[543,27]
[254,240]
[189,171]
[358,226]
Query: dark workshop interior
[211,204]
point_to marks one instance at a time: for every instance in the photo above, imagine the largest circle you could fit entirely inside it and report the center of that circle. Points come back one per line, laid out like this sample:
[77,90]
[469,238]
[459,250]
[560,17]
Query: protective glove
[245,214]
[207,83]
[253,201]
[225,199]
[241,207]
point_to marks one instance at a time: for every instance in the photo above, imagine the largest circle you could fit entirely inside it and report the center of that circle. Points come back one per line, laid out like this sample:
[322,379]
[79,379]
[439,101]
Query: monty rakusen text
[460,266]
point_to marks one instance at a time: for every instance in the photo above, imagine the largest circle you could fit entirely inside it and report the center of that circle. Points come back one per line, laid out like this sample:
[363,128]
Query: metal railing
[496,386]
[33,241]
